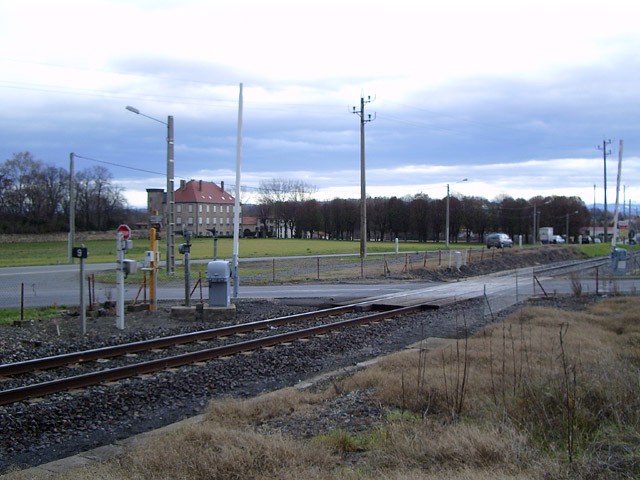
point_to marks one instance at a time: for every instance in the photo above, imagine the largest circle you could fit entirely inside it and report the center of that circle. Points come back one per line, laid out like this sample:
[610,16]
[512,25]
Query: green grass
[104,251]
[10,315]
[602,249]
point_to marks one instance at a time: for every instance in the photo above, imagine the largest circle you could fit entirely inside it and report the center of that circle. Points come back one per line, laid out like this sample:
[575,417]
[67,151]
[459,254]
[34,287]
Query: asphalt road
[49,285]
[59,284]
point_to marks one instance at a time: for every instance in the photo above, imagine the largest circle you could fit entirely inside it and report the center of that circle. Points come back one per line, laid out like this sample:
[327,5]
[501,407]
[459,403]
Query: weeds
[546,394]
[455,381]
[10,315]
[576,285]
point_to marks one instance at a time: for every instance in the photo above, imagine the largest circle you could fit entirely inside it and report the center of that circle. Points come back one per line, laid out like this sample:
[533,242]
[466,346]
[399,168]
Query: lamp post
[170,202]
[446,233]
[568,214]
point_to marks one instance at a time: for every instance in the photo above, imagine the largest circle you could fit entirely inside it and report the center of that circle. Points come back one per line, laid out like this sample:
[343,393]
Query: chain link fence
[602,279]
[46,286]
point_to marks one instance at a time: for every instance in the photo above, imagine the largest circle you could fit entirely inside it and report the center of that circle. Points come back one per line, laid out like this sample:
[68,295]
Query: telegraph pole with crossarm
[363,188]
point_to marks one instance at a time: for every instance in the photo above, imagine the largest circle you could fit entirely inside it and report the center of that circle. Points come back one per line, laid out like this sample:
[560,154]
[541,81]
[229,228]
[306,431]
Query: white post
[236,208]
[83,306]
[446,228]
[616,211]
[72,207]
[171,207]
[120,248]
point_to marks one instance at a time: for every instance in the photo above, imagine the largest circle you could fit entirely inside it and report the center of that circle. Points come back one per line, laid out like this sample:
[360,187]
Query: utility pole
[363,188]
[605,152]
[593,234]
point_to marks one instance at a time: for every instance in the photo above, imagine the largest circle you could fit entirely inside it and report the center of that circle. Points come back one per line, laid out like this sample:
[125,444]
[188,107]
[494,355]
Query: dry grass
[545,394]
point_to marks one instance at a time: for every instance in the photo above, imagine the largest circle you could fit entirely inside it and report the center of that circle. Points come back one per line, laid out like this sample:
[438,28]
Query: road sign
[79,252]
[125,230]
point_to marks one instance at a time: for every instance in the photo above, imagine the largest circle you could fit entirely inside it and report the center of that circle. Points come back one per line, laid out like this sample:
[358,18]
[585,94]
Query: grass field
[104,251]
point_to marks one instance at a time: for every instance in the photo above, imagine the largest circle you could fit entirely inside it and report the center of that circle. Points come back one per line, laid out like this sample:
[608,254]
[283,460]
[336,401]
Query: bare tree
[285,197]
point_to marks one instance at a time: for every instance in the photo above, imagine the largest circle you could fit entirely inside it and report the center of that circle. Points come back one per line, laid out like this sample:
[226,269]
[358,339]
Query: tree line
[285,209]
[34,197]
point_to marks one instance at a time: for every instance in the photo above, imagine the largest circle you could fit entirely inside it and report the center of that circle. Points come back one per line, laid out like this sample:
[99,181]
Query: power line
[242,187]
[120,165]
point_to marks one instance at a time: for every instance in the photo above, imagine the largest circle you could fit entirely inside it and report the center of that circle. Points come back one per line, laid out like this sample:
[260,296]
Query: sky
[518,97]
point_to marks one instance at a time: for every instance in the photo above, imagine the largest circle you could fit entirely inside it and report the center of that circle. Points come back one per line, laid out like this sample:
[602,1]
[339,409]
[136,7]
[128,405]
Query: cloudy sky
[515,95]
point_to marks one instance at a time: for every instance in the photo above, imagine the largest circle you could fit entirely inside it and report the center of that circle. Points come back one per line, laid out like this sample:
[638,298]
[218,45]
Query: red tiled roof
[198,191]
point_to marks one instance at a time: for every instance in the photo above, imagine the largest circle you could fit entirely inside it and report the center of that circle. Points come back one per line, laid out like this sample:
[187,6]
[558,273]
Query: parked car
[499,240]
[557,239]
[587,239]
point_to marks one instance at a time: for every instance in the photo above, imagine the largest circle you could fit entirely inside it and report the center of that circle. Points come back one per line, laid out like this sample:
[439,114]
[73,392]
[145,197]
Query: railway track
[65,383]
[30,368]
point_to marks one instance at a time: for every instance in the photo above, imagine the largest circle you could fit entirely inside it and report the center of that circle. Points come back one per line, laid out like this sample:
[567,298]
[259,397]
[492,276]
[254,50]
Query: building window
[200,208]
[190,221]
[190,208]
[199,220]
[207,222]
[215,209]
[178,220]
[207,208]
[178,208]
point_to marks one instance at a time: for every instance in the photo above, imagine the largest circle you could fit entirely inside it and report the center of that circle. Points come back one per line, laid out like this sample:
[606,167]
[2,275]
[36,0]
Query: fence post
[90,293]
[318,259]
[22,301]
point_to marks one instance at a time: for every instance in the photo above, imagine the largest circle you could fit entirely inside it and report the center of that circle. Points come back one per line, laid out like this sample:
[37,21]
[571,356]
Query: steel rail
[576,265]
[119,373]
[18,368]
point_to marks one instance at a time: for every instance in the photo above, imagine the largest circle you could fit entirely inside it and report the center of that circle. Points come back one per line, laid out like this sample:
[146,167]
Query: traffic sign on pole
[125,230]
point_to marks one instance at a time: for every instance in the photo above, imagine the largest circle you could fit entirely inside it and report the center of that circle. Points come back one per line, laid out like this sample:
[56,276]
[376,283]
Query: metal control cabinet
[619,260]
[218,276]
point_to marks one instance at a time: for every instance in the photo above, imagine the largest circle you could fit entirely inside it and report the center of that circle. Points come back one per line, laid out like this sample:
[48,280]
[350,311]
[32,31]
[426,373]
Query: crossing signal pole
[605,152]
[363,188]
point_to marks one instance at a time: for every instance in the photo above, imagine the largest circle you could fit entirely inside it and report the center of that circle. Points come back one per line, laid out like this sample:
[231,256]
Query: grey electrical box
[458,259]
[129,266]
[619,260]
[218,276]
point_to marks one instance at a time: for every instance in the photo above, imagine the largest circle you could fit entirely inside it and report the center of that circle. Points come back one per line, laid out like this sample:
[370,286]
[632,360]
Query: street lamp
[536,220]
[567,230]
[447,221]
[170,202]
